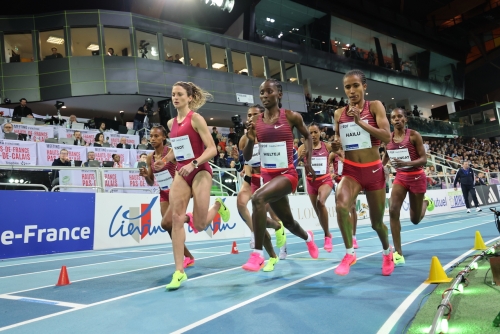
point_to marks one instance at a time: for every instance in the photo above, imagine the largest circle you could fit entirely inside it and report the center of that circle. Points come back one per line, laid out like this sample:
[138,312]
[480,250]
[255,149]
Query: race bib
[340,167]
[401,154]
[353,137]
[182,148]
[273,155]
[319,164]
[164,179]
[255,161]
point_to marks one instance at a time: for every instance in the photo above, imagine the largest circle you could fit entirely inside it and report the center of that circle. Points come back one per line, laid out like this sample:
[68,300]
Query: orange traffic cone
[437,273]
[63,277]
[234,249]
[478,242]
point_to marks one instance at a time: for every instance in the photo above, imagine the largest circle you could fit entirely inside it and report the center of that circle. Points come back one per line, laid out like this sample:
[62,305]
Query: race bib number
[353,137]
[273,155]
[255,161]
[319,164]
[182,148]
[164,179]
[400,154]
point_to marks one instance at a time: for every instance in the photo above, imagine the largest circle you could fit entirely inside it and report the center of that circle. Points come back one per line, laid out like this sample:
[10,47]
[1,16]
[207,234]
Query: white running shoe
[283,252]
[468,210]
[478,209]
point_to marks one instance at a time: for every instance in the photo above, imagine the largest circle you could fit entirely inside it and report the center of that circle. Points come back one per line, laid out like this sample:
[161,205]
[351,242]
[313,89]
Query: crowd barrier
[68,222]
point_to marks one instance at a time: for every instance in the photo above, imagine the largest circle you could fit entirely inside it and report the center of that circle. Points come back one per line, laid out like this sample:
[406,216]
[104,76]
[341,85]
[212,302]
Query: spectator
[142,158]
[139,120]
[22,110]
[54,54]
[371,57]
[8,128]
[308,98]
[123,143]
[72,119]
[102,127]
[214,135]
[221,160]
[232,136]
[63,160]
[90,157]
[99,140]
[177,59]
[111,52]
[116,161]
[319,100]
[78,139]
[465,176]
[222,142]
[144,141]
[341,103]
[229,147]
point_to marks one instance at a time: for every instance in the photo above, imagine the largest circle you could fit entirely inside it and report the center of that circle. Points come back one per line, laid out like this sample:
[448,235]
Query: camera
[148,106]
[143,48]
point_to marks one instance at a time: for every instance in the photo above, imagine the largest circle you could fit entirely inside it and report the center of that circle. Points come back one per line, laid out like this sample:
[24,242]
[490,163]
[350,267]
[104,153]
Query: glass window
[477,118]
[18,48]
[197,54]
[219,61]
[117,42]
[257,66]
[239,63]
[147,45]
[173,50]
[291,72]
[84,42]
[52,44]
[489,115]
[274,68]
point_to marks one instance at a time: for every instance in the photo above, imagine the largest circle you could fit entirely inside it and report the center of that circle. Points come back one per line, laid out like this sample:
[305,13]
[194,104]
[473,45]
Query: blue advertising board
[35,223]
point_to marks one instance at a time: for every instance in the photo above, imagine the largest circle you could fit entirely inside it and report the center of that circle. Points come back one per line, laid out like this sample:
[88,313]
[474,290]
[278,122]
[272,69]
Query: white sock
[309,238]
[252,237]
[353,237]
[387,251]
[259,251]
[349,251]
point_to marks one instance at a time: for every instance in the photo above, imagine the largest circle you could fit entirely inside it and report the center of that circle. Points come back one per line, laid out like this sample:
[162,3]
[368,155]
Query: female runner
[362,125]
[164,173]
[321,188]
[407,153]
[337,159]
[273,130]
[192,147]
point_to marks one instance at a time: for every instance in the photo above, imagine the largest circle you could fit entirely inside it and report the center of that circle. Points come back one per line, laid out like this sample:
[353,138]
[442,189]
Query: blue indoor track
[123,291]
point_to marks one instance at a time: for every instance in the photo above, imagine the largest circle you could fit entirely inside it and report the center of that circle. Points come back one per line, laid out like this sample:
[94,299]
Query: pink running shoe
[188,262]
[311,247]
[387,264]
[190,222]
[328,244]
[345,265]
[255,262]
[354,244]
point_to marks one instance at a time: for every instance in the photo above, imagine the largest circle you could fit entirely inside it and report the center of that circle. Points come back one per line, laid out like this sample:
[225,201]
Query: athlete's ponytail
[200,96]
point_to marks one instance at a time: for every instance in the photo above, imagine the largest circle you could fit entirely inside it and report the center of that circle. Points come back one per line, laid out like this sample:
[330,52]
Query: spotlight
[6,101]
[59,105]
[16,181]
[11,180]
[21,181]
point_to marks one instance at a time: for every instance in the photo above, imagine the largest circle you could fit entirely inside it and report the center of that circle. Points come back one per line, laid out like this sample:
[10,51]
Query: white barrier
[124,220]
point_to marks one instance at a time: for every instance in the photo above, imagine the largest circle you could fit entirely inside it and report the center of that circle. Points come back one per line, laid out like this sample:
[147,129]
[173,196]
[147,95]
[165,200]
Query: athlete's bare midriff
[365,155]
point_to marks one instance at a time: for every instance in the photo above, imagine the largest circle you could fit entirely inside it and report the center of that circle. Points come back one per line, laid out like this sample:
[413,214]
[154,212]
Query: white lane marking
[399,312]
[42,301]
[237,306]
[200,322]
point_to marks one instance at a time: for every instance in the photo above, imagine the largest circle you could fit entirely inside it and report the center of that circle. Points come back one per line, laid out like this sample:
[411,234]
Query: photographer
[142,112]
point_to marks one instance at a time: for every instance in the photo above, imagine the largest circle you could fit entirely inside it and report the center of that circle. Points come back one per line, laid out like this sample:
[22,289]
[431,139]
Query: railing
[25,185]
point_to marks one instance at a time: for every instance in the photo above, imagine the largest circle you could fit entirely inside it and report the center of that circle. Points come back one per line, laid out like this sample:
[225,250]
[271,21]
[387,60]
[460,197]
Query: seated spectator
[144,141]
[63,160]
[229,147]
[222,141]
[102,127]
[78,139]
[90,157]
[9,128]
[72,120]
[143,158]
[116,161]
[221,160]
[99,140]
[342,102]
[123,143]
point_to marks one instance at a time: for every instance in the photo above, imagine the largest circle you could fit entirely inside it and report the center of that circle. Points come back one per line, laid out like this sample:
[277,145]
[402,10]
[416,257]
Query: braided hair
[277,83]
[359,73]
[257,106]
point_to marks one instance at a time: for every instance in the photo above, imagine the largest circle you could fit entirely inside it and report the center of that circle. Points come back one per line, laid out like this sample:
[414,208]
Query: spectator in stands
[90,157]
[78,139]
[480,180]
[8,128]
[99,140]
[144,141]
[341,103]
[54,54]
[232,136]
[177,59]
[116,161]
[308,98]
[123,143]
[426,146]
[221,160]
[63,160]
[111,52]
[142,158]
[222,142]
[102,127]
[371,57]
[22,110]
[72,119]
[319,100]
[335,103]
[229,147]
[214,135]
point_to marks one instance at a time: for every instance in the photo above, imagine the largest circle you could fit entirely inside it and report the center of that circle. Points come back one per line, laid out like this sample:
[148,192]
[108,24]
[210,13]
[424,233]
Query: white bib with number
[164,179]
[319,164]
[354,137]
[182,148]
[255,161]
[273,155]
[400,154]
[340,167]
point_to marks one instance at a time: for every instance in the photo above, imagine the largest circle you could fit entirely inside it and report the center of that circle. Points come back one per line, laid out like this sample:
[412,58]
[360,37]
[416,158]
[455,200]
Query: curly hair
[200,96]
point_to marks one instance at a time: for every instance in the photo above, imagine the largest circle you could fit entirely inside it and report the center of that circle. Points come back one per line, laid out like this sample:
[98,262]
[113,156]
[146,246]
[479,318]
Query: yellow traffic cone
[436,273]
[478,242]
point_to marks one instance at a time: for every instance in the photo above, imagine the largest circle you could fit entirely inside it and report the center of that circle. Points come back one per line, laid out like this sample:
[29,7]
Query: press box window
[117,42]
[84,42]
[52,44]
[18,48]
[147,45]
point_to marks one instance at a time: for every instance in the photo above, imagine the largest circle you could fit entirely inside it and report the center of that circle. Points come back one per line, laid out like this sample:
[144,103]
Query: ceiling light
[366,94]
[211,119]
[280,35]
[336,88]
[121,111]
[11,180]
[268,19]
[293,79]
[154,51]
[347,45]
[55,40]
[229,5]
[393,98]
[432,106]
[16,181]
[93,47]
[21,181]
[217,65]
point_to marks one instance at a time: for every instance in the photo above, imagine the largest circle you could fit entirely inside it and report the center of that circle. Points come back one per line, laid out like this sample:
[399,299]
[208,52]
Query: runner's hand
[235,154]
[310,172]
[335,145]
[159,165]
[143,172]
[354,112]
[251,133]
[186,170]
[399,163]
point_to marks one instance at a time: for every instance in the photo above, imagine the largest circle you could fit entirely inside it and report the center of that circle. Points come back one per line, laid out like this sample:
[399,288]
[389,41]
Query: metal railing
[64,186]
[111,190]
[26,185]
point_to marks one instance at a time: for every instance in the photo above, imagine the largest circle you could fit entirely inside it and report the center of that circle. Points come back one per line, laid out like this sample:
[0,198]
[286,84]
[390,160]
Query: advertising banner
[135,155]
[87,135]
[106,154]
[17,153]
[114,139]
[132,179]
[34,133]
[47,153]
[77,178]
[39,231]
